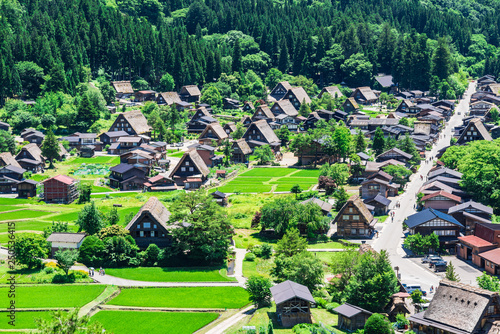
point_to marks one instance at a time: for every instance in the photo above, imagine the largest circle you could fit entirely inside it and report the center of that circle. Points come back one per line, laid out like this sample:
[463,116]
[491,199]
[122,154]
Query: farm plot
[260,180]
[26,320]
[42,296]
[157,274]
[132,322]
[183,297]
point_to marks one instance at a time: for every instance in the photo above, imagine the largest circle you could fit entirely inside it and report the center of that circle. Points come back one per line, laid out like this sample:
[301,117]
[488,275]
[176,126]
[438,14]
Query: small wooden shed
[293,303]
[351,317]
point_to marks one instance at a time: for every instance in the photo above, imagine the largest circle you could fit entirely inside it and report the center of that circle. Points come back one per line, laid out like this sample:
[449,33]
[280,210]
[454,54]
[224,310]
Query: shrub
[320,302]
[49,270]
[330,306]
[250,257]
[266,251]
[257,250]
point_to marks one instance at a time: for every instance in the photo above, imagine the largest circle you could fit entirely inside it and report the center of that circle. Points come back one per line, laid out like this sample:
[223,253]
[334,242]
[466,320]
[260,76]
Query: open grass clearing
[288,186]
[259,266]
[158,274]
[52,295]
[136,322]
[184,297]
[22,214]
[15,201]
[326,257]
[112,160]
[24,320]
[30,226]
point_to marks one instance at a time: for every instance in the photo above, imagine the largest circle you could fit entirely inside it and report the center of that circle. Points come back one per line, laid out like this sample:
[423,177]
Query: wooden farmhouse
[405,106]
[10,176]
[145,95]
[364,95]
[430,221]
[229,128]
[263,112]
[190,93]
[480,108]
[64,241]
[396,154]
[284,107]
[379,183]
[293,303]
[440,200]
[213,133]
[355,220]
[110,137]
[26,188]
[191,171]
[133,122]
[6,158]
[248,106]
[150,225]
[241,151]
[333,91]
[169,98]
[60,189]
[259,133]
[474,130]
[470,212]
[123,89]
[297,96]
[127,177]
[33,136]
[351,317]
[200,120]
[160,183]
[350,105]
[279,91]
[458,308]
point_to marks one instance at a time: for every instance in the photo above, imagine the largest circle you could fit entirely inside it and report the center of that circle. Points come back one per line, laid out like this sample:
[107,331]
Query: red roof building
[441,200]
[491,261]
[60,189]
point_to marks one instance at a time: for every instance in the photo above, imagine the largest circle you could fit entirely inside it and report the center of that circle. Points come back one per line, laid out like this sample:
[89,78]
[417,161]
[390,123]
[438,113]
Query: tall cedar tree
[283,59]
[441,60]
[378,141]
[236,64]
[50,148]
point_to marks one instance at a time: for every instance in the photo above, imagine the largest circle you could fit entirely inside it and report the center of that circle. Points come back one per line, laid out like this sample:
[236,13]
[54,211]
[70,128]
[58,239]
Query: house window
[345,217]
[361,231]
[350,210]
[187,163]
[191,169]
[183,169]
[152,233]
[491,309]
[147,225]
[141,233]
[355,217]
[353,231]
[138,225]
[154,226]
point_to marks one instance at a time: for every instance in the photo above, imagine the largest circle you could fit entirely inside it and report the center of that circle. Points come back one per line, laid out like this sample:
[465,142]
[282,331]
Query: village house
[474,130]
[213,134]
[351,317]
[190,93]
[110,137]
[480,108]
[470,247]
[60,189]
[469,212]
[492,88]
[400,304]
[32,136]
[64,241]
[169,98]
[5,126]
[293,303]
[434,186]
[133,122]
[364,95]
[241,151]
[324,206]
[458,308]
[231,104]
[229,128]
[30,158]
[10,176]
[6,158]
[150,225]
[125,144]
[259,133]
[138,157]
[440,200]
[207,154]
[380,204]
[123,89]
[378,183]
[220,197]
[127,177]
[355,220]
[326,115]
[26,188]
[199,121]
[333,91]
[297,96]
[78,139]
[279,91]
[248,106]
[385,83]
[430,221]
[396,154]
[191,171]
[284,107]
[445,172]
[145,95]
[263,112]
[160,183]
[350,105]
[405,106]
[485,80]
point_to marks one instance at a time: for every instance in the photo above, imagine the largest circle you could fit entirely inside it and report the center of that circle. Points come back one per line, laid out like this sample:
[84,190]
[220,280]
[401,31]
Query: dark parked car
[440,266]
[435,259]
[428,258]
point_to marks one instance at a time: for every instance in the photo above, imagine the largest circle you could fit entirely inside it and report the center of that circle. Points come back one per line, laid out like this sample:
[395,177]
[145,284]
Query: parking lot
[466,271]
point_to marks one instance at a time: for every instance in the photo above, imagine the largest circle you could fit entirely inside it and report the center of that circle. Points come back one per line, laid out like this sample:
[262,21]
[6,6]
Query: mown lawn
[52,295]
[24,320]
[184,297]
[136,322]
[23,214]
[112,160]
[157,274]
[260,267]
[29,226]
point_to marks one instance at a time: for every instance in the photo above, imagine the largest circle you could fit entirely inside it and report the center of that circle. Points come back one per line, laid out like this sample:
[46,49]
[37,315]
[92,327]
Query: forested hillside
[54,45]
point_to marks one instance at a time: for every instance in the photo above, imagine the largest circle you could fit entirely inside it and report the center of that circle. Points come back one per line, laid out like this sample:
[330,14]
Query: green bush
[49,270]
[320,302]
[330,306]
[250,257]
[266,251]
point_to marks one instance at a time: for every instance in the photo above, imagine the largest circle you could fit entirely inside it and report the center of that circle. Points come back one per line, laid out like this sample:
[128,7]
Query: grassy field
[136,322]
[257,267]
[22,214]
[242,207]
[52,295]
[25,320]
[156,274]
[185,297]
[258,180]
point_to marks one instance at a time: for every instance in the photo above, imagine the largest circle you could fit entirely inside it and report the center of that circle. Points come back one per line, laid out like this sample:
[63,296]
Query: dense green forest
[52,46]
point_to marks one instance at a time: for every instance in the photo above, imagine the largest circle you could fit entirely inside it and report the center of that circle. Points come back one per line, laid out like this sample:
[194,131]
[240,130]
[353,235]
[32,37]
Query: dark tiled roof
[424,216]
[288,290]
[349,310]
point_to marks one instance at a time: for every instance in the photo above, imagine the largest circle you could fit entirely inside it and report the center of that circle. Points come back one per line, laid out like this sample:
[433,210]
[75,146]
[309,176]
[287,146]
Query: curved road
[391,236]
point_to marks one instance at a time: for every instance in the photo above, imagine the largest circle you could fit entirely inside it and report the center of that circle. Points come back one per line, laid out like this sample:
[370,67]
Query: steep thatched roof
[300,93]
[243,146]
[192,90]
[34,150]
[171,98]
[459,305]
[480,128]
[332,90]
[360,206]
[156,209]
[265,130]
[287,107]
[123,87]
[217,129]
[8,159]
[196,159]
[263,109]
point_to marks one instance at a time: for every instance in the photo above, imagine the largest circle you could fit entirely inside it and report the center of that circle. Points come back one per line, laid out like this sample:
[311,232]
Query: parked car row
[436,262]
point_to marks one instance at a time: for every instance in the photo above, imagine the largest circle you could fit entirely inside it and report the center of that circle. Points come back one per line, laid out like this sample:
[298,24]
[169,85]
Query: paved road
[391,236]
